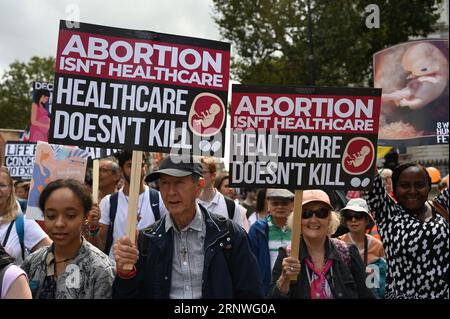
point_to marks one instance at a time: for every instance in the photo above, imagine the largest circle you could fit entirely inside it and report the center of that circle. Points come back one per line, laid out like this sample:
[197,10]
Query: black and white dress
[417,252]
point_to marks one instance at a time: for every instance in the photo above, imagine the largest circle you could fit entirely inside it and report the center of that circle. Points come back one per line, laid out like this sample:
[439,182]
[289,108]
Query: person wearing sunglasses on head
[327,268]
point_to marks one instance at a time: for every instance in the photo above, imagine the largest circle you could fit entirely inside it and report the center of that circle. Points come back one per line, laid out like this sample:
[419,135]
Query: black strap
[230,207]
[8,231]
[154,203]
[113,202]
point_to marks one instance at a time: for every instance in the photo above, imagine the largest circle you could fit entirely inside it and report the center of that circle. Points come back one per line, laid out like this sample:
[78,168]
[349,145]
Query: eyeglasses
[3,186]
[350,215]
[321,213]
[104,170]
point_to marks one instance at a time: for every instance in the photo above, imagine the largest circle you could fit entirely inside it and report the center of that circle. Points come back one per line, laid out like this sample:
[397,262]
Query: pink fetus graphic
[428,77]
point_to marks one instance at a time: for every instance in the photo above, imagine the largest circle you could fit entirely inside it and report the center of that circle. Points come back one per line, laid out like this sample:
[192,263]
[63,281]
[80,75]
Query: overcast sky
[30,27]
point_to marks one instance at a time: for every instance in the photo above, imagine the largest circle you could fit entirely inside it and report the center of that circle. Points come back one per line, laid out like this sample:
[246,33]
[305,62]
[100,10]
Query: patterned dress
[417,252]
[89,275]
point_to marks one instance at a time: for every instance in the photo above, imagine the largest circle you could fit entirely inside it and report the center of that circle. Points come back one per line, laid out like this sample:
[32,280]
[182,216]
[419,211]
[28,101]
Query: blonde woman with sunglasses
[327,268]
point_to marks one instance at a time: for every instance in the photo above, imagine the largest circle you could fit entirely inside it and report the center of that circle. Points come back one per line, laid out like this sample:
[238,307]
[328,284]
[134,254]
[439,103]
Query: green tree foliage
[270,37]
[16,90]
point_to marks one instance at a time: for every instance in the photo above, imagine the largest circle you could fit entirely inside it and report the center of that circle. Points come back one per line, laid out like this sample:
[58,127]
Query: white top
[253,218]
[243,211]
[33,234]
[218,206]
[11,274]
[145,216]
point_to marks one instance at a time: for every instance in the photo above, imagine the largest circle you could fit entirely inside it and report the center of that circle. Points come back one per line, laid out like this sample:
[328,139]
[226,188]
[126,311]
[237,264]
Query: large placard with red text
[303,137]
[140,90]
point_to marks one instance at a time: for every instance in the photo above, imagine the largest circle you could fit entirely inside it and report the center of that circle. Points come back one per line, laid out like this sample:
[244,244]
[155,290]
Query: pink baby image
[53,162]
[414,80]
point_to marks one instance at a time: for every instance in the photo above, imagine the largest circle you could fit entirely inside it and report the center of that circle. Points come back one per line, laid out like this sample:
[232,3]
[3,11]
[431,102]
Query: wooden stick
[95,164]
[296,228]
[135,183]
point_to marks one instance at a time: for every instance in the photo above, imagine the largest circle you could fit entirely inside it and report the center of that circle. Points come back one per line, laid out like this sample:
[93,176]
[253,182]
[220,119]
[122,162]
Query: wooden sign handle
[296,228]
[95,171]
[135,183]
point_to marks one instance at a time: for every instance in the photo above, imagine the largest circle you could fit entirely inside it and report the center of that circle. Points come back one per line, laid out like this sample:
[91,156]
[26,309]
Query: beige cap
[316,195]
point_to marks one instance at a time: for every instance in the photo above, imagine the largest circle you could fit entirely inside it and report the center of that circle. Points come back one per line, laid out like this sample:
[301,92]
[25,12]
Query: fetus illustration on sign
[428,77]
[358,158]
[207,114]
[207,117]
[414,80]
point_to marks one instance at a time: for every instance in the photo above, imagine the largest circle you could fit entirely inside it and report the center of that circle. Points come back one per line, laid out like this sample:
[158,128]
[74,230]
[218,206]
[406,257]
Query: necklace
[55,265]
[64,260]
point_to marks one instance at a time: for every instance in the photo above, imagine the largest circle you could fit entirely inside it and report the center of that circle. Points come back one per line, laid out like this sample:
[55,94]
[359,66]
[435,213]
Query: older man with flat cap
[268,235]
[190,253]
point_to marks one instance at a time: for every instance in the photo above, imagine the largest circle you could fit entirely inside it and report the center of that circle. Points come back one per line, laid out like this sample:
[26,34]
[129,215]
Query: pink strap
[318,285]
[288,249]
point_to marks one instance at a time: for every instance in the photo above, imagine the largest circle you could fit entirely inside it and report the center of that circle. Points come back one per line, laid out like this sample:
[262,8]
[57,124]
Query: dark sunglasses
[356,215]
[319,213]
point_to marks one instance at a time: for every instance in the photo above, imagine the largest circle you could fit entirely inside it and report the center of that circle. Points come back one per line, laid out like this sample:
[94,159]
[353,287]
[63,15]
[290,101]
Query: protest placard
[139,90]
[303,137]
[40,85]
[37,129]
[98,152]
[19,159]
[53,162]
[414,105]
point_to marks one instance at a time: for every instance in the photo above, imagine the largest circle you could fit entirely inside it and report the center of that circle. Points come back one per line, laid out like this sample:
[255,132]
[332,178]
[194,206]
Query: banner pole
[135,181]
[296,228]
[95,176]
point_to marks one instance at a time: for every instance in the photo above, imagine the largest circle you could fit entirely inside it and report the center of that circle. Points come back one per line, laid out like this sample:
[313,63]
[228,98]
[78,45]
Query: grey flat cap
[280,193]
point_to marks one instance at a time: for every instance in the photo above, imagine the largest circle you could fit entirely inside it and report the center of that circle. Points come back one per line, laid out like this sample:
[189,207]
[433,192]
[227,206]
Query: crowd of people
[197,237]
